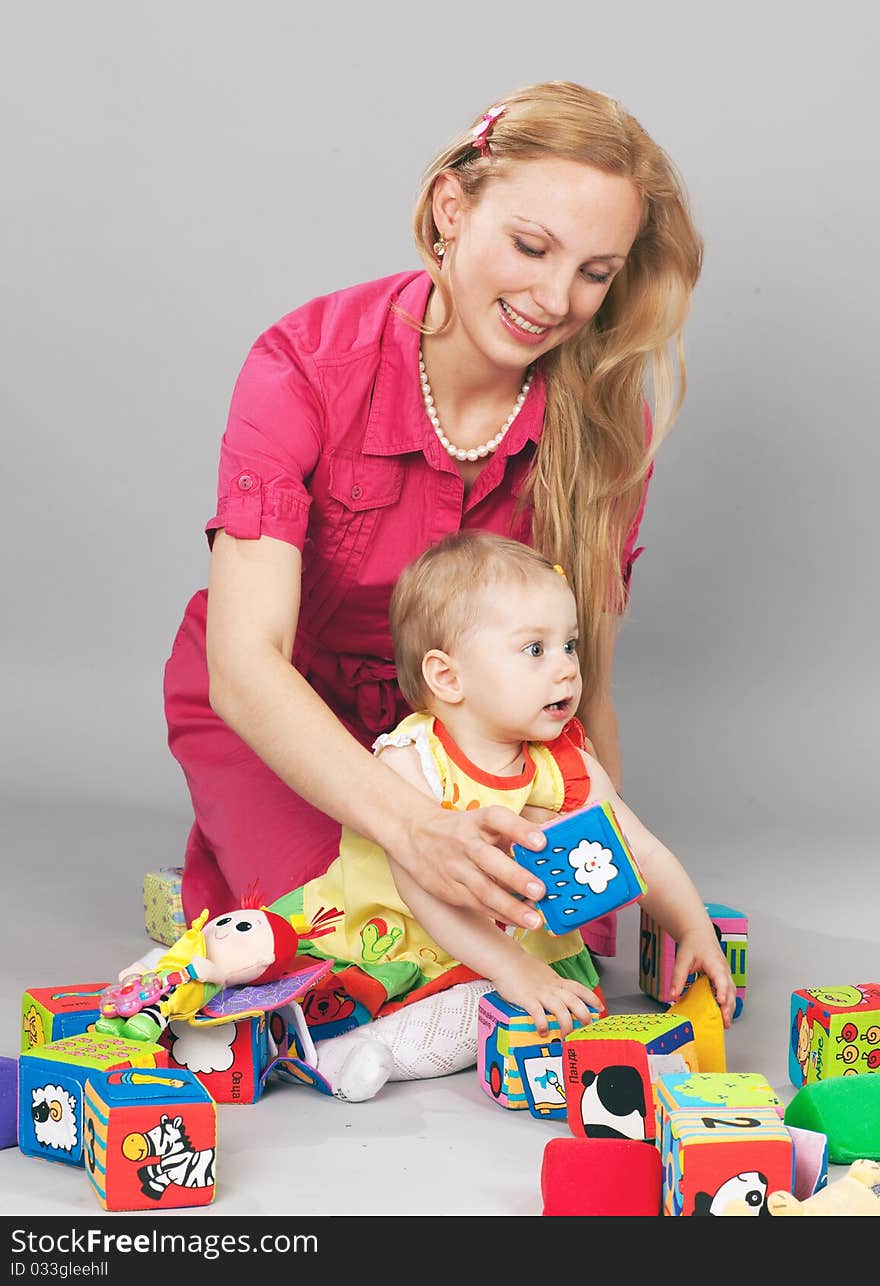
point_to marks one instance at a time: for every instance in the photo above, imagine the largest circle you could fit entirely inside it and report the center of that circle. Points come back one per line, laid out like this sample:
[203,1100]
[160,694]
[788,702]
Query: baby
[485,633]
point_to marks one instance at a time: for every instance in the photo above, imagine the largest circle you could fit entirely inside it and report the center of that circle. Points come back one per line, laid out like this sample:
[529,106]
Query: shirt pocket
[358,482]
[359,492]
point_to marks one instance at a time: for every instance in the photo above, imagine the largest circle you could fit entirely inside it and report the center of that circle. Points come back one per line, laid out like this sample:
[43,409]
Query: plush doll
[249,945]
[856,1193]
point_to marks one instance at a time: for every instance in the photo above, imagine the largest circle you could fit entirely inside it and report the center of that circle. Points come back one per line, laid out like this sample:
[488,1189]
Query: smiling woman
[499,388]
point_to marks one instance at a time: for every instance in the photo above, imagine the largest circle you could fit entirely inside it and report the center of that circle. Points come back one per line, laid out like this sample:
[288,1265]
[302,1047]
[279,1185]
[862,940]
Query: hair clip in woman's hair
[558,568]
[482,131]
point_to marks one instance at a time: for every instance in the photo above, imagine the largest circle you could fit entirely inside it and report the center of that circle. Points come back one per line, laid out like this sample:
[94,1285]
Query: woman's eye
[599,277]
[535,649]
[527,250]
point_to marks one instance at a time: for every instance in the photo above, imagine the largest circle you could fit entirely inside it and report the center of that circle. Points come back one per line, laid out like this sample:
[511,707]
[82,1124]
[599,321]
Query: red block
[608,1091]
[601,1177]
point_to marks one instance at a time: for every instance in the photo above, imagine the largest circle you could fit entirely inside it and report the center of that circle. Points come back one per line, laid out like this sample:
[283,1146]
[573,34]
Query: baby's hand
[138,968]
[699,952]
[534,986]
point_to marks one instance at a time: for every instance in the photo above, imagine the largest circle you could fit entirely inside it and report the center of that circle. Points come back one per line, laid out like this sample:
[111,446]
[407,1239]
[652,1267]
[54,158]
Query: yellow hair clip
[561,570]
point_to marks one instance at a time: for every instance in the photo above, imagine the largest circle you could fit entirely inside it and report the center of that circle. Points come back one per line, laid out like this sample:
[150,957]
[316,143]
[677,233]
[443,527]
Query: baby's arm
[671,899]
[479,943]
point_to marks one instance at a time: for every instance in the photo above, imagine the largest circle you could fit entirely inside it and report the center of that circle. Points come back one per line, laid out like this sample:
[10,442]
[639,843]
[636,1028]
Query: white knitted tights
[431,1037]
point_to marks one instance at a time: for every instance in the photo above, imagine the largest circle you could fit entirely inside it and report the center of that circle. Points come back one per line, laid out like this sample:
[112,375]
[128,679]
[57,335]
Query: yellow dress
[358,919]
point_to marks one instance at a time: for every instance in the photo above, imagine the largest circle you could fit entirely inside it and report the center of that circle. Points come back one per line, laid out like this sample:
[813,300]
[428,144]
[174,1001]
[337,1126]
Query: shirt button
[245,482]
[356,492]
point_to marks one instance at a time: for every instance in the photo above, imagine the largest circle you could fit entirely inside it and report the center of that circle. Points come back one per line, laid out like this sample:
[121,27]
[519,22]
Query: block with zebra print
[149,1139]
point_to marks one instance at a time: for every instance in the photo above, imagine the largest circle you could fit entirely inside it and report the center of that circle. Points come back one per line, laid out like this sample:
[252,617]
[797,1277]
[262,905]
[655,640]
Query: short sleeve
[273,438]
[631,551]
[566,750]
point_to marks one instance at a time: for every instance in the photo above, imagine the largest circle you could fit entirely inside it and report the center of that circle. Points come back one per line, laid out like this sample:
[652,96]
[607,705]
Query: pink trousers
[250,831]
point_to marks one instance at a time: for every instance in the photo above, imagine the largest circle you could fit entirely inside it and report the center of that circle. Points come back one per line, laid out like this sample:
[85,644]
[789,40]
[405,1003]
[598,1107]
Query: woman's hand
[535,987]
[699,951]
[463,858]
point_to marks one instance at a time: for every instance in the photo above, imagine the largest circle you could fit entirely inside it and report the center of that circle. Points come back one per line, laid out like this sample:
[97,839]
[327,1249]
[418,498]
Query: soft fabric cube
[150,1139]
[608,1090]
[833,1031]
[51,1013]
[659,1033]
[728,1159]
[8,1102]
[600,1177]
[657,951]
[587,868]
[229,1058]
[163,906]
[810,1161]
[846,1110]
[51,1083]
[516,1067]
[709,1092]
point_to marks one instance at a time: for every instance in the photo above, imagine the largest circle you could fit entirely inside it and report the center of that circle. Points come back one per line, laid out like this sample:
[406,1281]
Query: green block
[847,1110]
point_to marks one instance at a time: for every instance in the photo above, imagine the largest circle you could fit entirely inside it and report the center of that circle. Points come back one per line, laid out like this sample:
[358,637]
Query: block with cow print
[51,1085]
[723,1161]
[150,1139]
[608,1092]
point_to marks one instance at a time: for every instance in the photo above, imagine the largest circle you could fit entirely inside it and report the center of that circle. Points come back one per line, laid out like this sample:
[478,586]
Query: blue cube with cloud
[587,868]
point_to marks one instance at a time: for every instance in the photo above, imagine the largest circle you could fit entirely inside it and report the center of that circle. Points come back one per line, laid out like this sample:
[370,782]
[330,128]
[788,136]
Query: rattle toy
[137,990]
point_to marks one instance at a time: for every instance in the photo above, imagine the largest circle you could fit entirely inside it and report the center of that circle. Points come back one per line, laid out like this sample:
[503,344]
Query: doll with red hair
[249,945]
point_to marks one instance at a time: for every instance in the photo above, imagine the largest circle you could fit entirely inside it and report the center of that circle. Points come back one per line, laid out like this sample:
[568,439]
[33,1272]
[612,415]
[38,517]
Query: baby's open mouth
[557,705]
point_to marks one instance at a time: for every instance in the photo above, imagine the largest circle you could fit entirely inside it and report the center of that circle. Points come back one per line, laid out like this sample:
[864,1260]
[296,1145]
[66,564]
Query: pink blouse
[328,447]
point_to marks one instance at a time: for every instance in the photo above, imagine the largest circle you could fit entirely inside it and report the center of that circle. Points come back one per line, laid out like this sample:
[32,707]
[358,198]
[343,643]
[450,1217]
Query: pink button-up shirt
[328,447]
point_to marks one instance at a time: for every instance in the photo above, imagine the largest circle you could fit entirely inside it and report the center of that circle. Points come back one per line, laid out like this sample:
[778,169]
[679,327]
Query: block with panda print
[608,1092]
[149,1139]
[724,1160]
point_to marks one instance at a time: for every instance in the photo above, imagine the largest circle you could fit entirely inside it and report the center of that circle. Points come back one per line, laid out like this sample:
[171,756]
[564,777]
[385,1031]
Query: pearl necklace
[464,453]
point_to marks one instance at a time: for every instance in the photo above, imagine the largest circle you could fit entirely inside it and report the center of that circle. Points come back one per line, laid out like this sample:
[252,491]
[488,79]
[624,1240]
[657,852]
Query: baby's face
[241,943]
[518,664]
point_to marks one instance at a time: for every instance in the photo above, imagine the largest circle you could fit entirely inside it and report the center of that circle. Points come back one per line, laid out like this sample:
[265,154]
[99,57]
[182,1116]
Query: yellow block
[699,1005]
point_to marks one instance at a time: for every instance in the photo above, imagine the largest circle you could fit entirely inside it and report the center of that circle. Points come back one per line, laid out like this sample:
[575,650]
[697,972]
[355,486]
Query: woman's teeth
[521,322]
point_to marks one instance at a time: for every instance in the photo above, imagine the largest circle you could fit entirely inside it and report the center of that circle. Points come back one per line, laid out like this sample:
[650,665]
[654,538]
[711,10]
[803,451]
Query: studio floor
[73,896]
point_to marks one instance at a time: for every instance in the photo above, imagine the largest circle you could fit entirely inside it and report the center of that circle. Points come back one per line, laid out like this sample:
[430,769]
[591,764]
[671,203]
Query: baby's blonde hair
[436,597]
[592,459]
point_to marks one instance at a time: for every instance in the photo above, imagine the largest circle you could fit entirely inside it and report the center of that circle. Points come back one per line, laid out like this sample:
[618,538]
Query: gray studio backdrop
[178,176]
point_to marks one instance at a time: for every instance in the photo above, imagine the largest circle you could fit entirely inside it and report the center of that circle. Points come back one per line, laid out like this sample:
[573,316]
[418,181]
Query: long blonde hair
[589,471]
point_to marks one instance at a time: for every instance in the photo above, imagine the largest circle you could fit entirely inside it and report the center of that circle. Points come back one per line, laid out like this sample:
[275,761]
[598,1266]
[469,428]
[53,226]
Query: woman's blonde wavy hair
[594,453]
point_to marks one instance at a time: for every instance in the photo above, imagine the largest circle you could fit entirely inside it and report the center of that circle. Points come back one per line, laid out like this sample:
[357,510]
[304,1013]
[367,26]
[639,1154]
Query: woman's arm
[476,941]
[253,608]
[598,714]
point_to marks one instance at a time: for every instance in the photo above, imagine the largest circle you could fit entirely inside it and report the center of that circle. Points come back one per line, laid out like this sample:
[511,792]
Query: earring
[440,246]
